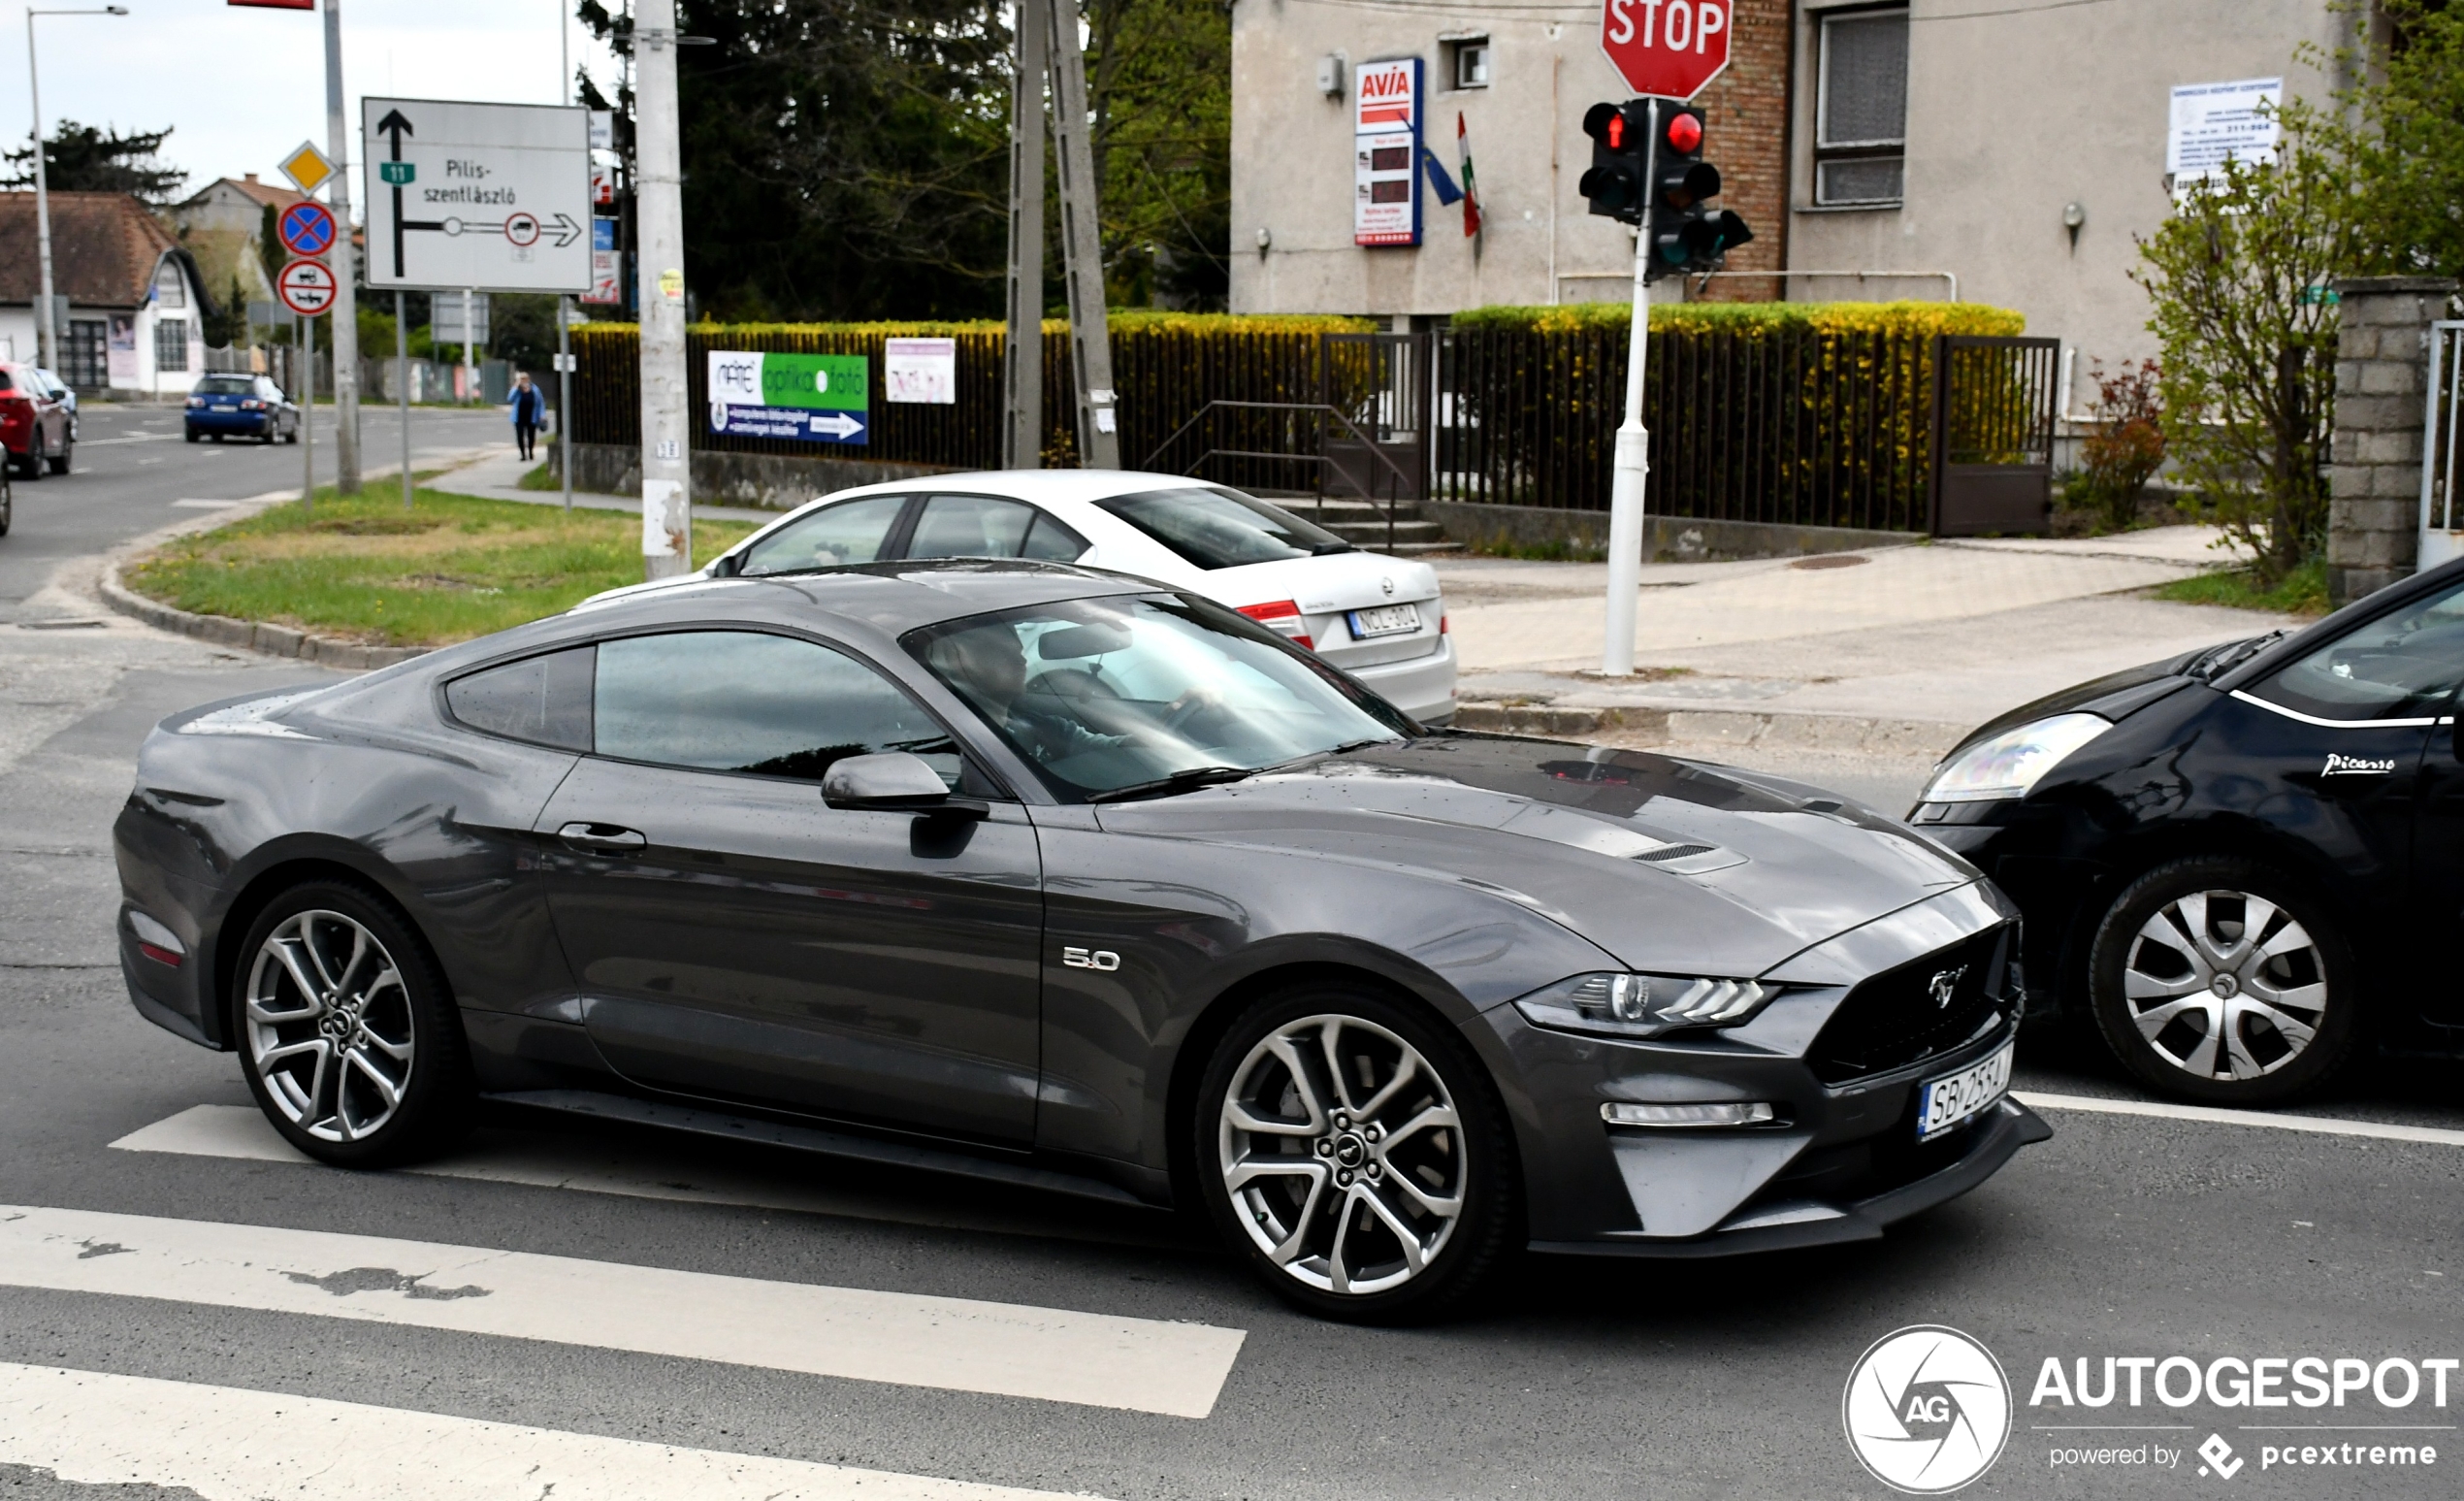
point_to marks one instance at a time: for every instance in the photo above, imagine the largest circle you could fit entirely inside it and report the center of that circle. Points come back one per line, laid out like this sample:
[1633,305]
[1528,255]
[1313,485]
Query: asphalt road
[2126,1235]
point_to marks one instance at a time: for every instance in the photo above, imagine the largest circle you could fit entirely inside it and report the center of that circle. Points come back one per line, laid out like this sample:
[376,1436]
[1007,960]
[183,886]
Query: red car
[34,423]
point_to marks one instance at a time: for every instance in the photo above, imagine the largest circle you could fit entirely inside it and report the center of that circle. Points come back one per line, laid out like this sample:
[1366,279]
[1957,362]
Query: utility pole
[402,378]
[1022,351]
[1082,243]
[564,304]
[345,335]
[666,517]
[47,333]
[1632,465]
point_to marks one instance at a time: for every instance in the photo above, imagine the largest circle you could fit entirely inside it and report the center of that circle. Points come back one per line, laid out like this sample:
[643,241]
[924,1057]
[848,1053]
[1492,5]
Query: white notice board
[2213,123]
[921,369]
[491,196]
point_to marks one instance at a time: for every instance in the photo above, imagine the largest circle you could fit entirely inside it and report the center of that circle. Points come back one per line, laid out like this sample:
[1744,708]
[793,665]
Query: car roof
[1035,484]
[891,598]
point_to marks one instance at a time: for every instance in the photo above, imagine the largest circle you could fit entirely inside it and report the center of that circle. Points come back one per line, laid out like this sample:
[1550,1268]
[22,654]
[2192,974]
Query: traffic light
[1619,134]
[1685,235]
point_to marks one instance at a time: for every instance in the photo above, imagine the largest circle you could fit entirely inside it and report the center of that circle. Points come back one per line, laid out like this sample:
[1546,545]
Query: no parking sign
[307,228]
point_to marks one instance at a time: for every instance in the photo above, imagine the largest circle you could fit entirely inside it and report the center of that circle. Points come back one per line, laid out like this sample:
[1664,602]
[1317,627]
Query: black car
[2245,863]
[1028,871]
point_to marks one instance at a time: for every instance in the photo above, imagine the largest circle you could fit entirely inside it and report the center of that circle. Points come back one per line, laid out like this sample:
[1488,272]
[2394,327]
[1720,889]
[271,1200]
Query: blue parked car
[240,405]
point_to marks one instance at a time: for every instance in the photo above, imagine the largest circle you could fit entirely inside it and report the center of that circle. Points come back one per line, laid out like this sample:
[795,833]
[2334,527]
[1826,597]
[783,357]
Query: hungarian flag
[1470,189]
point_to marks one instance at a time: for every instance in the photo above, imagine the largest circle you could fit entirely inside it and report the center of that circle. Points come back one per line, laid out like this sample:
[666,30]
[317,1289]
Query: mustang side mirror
[894,781]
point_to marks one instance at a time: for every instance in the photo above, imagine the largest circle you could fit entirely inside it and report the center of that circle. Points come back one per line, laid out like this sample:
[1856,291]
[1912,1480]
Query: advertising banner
[810,398]
[924,371]
[1387,153]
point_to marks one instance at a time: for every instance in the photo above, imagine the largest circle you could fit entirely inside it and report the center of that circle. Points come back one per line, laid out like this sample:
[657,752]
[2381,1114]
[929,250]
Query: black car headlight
[2011,764]
[1642,1005]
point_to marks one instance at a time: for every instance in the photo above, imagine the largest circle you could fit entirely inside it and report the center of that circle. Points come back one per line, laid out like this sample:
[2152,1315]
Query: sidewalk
[1896,650]
[498,477]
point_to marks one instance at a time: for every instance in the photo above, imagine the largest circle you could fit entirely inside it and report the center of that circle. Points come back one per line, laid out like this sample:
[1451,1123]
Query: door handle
[603,838]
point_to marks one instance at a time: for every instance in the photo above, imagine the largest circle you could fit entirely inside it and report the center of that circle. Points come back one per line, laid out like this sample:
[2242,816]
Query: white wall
[1292,161]
[2011,117]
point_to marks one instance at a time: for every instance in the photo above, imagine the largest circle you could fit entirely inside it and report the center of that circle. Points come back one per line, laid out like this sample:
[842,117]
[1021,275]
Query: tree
[2241,276]
[91,159]
[2402,129]
[842,158]
[1159,85]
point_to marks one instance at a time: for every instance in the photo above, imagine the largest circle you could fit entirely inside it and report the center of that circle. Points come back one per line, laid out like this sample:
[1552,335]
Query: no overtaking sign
[306,287]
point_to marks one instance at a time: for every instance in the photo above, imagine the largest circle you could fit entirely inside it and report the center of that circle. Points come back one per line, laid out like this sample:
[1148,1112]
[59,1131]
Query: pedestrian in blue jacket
[530,409]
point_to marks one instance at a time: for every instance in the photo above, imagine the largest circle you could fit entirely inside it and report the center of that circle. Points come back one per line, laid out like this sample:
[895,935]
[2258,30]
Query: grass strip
[2301,592]
[360,567]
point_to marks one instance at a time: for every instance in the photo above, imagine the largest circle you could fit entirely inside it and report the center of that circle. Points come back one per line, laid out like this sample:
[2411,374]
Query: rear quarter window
[544,700]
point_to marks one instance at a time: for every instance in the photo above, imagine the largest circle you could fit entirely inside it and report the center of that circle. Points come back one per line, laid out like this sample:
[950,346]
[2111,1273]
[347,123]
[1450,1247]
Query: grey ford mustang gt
[1031,872]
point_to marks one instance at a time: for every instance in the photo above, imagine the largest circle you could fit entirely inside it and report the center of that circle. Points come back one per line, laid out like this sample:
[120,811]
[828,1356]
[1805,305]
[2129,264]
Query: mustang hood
[1667,864]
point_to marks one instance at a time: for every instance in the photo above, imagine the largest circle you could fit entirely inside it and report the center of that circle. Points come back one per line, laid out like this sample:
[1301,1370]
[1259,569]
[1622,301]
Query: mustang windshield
[1108,695]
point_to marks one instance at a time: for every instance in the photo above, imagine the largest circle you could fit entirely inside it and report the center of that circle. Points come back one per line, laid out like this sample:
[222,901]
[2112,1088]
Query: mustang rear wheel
[1356,1154]
[2215,979]
[348,1041]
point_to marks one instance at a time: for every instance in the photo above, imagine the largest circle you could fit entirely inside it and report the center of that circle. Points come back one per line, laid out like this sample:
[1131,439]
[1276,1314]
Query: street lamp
[47,335]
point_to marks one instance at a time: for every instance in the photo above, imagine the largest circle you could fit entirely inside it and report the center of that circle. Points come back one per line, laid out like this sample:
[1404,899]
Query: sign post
[1666,50]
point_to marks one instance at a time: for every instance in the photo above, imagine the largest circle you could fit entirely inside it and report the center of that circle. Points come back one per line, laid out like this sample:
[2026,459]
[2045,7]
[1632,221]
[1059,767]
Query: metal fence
[1785,424]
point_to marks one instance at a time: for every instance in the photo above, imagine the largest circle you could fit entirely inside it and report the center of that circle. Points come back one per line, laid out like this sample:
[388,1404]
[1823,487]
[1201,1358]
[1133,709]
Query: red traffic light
[1616,141]
[1685,132]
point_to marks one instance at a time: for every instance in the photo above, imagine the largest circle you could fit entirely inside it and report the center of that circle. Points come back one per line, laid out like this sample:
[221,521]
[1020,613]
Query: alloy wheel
[2226,985]
[329,1025]
[1341,1153]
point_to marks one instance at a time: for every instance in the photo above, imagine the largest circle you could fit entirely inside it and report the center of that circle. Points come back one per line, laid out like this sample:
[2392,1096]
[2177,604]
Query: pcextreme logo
[1927,1410]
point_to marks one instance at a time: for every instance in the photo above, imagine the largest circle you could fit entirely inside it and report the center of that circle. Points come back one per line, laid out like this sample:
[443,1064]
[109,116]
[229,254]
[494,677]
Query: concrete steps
[1363,524]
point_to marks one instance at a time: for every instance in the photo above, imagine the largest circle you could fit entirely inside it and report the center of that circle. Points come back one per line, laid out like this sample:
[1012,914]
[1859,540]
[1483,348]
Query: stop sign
[1669,48]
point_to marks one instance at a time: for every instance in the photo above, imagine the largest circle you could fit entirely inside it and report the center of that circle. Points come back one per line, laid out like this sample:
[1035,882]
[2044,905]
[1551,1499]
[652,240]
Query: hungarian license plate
[1384,619]
[1949,1102]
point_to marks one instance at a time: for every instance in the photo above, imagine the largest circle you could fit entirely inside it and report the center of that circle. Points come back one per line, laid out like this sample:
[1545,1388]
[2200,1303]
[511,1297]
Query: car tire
[1416,1164]
[293,436]
[192,435]
[34,466]
[346,1029]
[65,458]
[217,438]
[7,500]
[2240,1018]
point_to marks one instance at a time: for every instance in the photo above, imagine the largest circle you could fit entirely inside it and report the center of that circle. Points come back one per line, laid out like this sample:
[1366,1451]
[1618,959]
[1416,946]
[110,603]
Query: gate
[1993,422]
[2442,517]
[1379,383]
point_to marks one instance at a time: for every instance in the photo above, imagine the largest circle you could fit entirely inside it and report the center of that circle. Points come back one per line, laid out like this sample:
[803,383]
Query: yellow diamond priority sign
[308,168]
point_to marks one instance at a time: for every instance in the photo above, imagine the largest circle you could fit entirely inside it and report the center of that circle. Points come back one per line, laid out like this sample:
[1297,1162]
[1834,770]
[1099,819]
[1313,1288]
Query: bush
[1900,317]
[2127,447]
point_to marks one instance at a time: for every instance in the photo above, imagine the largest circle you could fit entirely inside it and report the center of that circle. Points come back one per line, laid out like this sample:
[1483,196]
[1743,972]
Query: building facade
[132,301]
[2007,152]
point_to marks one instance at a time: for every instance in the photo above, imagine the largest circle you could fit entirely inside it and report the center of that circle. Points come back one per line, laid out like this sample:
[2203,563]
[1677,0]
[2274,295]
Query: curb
[255,636]
[1839,733]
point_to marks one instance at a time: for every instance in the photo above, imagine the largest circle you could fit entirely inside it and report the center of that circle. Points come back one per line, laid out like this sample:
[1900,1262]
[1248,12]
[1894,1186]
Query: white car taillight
[1283,618]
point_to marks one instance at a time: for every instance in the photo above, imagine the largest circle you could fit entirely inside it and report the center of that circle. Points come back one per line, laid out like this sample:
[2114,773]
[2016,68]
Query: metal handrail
[1403,482]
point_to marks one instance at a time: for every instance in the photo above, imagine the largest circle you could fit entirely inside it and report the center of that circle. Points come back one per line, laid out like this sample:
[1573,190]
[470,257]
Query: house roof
[270,194]
[105,247]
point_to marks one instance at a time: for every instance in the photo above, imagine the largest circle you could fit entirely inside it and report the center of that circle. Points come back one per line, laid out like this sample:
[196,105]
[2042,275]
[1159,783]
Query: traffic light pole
[1634,452]
[344,326]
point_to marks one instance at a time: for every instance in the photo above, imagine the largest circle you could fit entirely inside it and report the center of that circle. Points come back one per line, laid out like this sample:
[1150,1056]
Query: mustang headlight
[1642,1005]
[2011,762]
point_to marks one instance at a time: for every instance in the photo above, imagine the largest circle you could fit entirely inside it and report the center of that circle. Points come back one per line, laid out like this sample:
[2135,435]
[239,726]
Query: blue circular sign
[307,228]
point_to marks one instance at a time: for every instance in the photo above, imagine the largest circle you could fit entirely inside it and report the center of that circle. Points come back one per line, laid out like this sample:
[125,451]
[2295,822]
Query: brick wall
[2382,351]
[1747,107]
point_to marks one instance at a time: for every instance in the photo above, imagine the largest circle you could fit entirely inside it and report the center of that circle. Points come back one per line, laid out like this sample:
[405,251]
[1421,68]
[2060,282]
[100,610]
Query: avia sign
[1669,48]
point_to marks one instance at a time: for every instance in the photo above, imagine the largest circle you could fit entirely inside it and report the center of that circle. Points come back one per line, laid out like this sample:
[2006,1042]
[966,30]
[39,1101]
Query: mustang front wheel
[1356,1154]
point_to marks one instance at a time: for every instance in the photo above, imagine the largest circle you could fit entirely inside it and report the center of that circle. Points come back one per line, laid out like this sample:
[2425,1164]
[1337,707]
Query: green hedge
[1901,317]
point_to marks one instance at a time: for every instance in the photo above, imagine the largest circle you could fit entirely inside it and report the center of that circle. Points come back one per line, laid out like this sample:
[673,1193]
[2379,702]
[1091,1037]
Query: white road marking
[688,1171]
[2212,1116]
[235,1443]
[132,438]
[1141,1365]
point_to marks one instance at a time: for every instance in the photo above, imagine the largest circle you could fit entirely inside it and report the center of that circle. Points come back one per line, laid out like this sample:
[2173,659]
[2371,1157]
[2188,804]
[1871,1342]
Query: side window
[743,700]
[1049,542]
[2403,666]
[851,532]
[971,526]
[543,700]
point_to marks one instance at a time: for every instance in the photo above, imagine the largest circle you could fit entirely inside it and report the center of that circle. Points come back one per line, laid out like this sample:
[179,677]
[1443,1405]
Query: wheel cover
[329,1025]
[1342,1155]
[2225,985]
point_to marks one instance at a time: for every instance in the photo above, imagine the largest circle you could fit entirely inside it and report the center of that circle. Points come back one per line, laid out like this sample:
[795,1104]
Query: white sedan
[1379,619]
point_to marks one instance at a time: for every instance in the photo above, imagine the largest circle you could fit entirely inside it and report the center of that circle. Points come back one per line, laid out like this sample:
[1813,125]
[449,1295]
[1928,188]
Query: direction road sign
[307,228]
[1670,48]
[308,168]
[306,287]
[494,197]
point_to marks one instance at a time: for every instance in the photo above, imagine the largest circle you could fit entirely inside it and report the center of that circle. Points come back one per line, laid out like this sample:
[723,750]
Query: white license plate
[1948,1102]
[1384,619]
